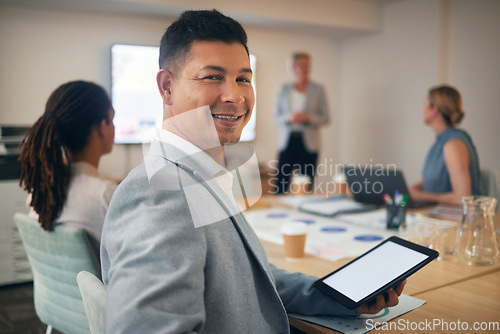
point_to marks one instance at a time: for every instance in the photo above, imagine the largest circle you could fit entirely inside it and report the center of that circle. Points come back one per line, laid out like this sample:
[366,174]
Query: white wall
[42,49]
[474,67]
[273,49]
[385,78]
[376,84]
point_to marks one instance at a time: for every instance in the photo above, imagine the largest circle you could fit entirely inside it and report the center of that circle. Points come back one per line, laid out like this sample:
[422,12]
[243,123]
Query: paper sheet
[328,238]
[447,212]
[375,219]
[297,200]
[334,206]
[365,323]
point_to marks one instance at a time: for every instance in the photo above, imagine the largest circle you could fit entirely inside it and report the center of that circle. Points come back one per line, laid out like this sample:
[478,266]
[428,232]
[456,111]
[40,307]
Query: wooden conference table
[456,294]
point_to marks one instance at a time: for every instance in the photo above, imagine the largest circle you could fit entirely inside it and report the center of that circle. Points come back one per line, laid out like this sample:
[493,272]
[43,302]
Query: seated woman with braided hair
[60,155]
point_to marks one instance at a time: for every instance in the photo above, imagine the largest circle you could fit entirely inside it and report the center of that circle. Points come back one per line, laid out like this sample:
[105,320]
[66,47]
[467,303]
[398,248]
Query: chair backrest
[56,257]
[489,184]
[94,300]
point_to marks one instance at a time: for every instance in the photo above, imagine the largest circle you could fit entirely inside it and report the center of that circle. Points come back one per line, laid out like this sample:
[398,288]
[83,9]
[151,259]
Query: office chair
[489,184]
[94,300]
[56,258]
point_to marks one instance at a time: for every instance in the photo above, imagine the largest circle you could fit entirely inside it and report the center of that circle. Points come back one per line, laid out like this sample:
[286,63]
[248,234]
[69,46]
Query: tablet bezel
[351,304]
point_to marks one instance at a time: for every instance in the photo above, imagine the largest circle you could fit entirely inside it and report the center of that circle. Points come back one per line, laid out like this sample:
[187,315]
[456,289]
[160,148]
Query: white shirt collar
[222,176]
[171,138]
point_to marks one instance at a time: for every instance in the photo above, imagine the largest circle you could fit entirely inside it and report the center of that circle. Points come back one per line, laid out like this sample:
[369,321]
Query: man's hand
[387,299]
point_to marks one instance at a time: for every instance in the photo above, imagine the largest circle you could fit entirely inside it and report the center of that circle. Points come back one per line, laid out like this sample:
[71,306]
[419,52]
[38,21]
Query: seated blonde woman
[451,169]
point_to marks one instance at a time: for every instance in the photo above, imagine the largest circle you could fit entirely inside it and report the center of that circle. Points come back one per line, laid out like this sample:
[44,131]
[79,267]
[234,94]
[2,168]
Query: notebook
[369,185]
[447,212]
[335,205]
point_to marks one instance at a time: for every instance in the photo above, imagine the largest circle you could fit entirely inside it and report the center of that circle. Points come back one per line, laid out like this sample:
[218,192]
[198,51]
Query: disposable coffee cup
[340,182]
[301,185]
[294,235]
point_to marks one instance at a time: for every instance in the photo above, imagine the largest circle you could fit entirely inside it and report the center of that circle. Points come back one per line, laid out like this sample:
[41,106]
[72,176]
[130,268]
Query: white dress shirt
[223,177]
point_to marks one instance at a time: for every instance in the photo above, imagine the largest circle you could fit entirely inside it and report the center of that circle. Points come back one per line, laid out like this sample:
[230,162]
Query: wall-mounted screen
[135,97]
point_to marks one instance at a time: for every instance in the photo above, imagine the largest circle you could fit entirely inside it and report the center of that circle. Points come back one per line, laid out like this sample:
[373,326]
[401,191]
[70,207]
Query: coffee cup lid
[294,228]
[301,179]
[340,178]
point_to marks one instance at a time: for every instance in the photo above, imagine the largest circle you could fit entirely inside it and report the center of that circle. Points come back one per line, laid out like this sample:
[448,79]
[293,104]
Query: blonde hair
[299,55]
[449,103]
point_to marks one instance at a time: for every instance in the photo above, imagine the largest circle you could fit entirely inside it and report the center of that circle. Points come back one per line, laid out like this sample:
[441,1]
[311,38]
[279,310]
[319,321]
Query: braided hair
[71,112]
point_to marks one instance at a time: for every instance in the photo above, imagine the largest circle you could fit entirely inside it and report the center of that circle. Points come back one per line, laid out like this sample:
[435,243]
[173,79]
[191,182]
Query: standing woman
[60,155]
[451,169]
[301,109]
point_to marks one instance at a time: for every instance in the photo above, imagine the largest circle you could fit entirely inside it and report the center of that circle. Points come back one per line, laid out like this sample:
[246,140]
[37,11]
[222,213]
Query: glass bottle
[477,242]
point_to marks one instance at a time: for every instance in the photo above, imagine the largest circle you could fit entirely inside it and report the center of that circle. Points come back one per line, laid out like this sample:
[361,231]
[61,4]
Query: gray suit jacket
[163,275]
[316,107]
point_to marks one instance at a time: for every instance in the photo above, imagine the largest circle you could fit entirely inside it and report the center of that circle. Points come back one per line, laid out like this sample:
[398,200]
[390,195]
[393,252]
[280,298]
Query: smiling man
[177,254]
[214,85]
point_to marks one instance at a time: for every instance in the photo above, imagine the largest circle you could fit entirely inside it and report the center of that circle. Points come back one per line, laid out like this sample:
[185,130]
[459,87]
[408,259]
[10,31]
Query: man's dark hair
[197,25]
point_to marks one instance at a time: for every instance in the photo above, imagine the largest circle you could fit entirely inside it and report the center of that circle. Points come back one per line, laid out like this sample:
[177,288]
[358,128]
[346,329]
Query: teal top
[436,178]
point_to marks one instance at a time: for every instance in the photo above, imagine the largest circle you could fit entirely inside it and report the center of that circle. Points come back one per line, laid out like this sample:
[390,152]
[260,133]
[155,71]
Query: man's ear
[165,79]
[101,128]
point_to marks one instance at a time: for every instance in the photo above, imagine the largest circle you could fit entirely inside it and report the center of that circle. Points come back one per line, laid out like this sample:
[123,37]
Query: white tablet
[381,268]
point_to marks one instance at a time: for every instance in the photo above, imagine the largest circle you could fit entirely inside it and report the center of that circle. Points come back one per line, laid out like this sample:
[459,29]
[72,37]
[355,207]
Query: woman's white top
[87,201]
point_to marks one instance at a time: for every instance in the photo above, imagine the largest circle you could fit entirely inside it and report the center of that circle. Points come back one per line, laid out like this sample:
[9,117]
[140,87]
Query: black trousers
[295,156]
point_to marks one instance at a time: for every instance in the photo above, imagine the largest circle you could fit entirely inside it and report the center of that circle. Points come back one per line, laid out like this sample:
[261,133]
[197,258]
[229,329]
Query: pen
[396,196]
[387,199]
[405,199]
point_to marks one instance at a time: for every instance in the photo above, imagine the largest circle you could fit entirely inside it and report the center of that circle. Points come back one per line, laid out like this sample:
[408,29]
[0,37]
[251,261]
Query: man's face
[215,87]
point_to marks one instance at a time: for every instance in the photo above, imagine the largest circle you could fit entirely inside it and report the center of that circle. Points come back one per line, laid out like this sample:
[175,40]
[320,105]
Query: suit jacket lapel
[202,178]
[288,96]
[307,104]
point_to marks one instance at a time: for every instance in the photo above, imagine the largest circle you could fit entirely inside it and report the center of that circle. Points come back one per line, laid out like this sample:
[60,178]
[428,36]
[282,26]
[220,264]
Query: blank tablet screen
[375,269]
